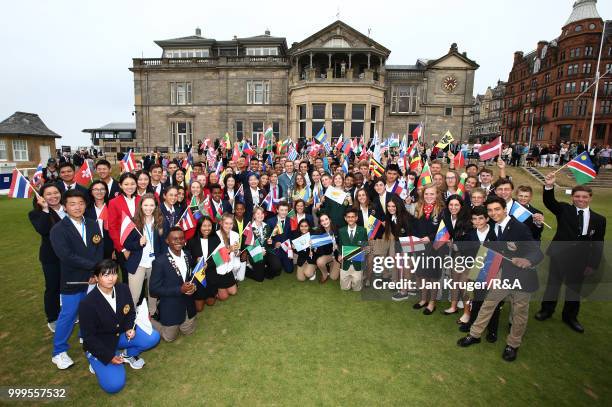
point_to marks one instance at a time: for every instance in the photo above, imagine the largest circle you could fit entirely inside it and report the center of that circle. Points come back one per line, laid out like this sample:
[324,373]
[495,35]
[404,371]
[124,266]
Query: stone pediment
[180,114]
[338,35]
[453,60]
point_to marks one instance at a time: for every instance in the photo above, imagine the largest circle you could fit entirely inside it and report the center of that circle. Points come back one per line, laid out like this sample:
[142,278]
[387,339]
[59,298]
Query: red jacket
[116,207]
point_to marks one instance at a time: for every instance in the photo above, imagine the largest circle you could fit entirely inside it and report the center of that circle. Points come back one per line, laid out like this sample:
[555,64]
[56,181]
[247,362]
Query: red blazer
[116,207]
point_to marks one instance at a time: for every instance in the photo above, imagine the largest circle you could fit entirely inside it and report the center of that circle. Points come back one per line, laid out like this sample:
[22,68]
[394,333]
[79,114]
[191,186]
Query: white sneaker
[62,360]
[134,361]
[91,370]
[51,326]
[314,277]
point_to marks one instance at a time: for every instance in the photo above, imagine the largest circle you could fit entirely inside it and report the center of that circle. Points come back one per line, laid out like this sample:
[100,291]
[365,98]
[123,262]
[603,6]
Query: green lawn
[288,343]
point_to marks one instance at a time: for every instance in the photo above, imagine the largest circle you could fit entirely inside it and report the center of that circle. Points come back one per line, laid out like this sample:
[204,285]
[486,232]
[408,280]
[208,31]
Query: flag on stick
[20,187]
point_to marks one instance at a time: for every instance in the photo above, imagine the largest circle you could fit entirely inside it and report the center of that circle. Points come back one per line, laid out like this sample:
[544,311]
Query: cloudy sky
[68,60]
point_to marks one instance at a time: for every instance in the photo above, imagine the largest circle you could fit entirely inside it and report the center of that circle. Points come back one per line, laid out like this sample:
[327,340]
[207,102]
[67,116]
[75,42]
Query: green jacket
[360,239]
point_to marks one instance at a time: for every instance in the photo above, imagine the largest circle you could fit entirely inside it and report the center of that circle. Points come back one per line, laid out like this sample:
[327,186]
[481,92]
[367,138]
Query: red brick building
[543,94]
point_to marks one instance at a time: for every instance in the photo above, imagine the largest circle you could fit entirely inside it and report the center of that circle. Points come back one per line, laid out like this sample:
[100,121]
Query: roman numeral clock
[449,83]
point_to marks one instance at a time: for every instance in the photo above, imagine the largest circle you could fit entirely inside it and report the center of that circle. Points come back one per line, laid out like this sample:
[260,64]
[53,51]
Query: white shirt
[110,185]
[80,227]
[69,187]
[61,212]
[351,231]
[366,216]
[157,188]
[587,217]
[234,262]
[146,260]
[204,246]
[131,204]
[383,199]
[110,298]
[255,196]
[502,224]
[180,263]
[100,221]
[482,236]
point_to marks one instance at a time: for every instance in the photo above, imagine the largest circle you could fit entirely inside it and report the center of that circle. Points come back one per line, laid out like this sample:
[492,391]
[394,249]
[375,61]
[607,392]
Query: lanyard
[83,232]
[149,232]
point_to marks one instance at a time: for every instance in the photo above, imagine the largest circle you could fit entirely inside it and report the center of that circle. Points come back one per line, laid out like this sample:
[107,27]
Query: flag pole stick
[560,168]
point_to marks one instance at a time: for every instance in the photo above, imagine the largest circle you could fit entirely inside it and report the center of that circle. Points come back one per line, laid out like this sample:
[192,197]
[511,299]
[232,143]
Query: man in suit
[351,273]
[504,188]
[103,168]
[78,244]
[287,179]
[280,234]
[171,283]
[218,206]
[521,254]
[67,182]
[575,251]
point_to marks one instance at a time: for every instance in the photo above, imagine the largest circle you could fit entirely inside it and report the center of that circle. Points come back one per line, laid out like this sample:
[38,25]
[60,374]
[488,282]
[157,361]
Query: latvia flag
[490,150]
[126,227]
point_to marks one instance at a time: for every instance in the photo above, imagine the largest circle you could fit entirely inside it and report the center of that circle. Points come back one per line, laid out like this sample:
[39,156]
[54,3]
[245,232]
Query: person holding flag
[97,209]
[306,263]
[111,335]
[281,232]
[67,181]
[324,253]
[201,246]
[351,237]
[226,258]
[270,266]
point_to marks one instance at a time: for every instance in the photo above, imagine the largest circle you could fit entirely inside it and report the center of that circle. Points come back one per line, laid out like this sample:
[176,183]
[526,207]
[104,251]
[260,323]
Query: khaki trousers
[135,282]
[351,279]
[304,271]
[380,248]
[520,314]
[334,267]
[170,333]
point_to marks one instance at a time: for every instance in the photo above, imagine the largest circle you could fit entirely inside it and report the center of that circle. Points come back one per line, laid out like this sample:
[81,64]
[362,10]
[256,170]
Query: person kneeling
[110,336]
[172,283]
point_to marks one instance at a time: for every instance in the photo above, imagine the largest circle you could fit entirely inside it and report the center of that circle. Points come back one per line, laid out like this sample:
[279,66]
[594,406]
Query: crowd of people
[250,209]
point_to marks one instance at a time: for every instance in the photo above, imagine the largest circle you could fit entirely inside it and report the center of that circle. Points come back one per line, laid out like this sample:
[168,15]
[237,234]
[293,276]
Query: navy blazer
[43,222]
[272,222]
[101,327]
[378,209]
[77,260]
[132,244]
[113,191]
[78,187]
[166,285]
[248,201]
[109,248]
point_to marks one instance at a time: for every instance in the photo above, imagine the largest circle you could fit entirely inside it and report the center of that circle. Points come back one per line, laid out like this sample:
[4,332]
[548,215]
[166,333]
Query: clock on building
[449,83]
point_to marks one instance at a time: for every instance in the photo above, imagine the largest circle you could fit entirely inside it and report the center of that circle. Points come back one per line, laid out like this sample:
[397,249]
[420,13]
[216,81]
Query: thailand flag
[20,187]
[128,163]
[519,212]
[126,227]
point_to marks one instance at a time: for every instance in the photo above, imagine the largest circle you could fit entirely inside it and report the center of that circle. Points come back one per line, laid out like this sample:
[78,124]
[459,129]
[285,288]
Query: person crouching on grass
[107,316]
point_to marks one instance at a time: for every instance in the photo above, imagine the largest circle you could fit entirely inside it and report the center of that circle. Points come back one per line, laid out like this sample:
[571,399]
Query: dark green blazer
[360,239]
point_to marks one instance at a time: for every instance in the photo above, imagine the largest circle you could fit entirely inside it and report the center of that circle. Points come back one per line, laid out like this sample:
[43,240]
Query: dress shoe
[427,311]
[491,337]
[418,305]
[543,315]
[450,312]
[509,353]
[467,341]
[464,328]
[574,324]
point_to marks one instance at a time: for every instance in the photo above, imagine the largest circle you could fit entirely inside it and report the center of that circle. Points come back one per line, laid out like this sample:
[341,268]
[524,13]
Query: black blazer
[77,261]
[166,285]
[60,186]
[90,213]
[101,327]
[114,190]
[43,222]
[195,248]
[132,244]
[536,230]
[272,222]
[248,201]
[371,212]
[380,211]
[589,247]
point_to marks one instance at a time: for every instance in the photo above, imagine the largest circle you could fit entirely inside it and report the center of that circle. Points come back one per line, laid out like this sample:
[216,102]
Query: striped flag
[37,177]
[320,240]
[20,187]
[199,272]
[345,167]
[221,255]
[461,186]
[416,133]
[376,167]
[256,253]
[582,168]
[316,197]
[128,163]
[248,236]
[490,269]
[126,227]
[425,177]
[442,236]
[321,136]
[187,221]
[519,212]
[261,143]
[246,148]
[490,150]
[372,227]
[352,253]
[293,154]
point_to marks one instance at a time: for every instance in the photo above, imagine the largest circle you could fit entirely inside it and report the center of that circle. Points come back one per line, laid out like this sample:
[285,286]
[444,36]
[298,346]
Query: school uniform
[224,276]
[79,248]
[176,310]
[271,265]
[252,199]
[286,262]
[113,189]
[351,275]
[92,212]
[198,248]
[104,320]
[171,217]
[116,207]
[63,187]
[50,263]
[305,259]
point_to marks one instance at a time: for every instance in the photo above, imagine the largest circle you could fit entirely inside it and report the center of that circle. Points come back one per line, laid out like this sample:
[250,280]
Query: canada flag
[83,175]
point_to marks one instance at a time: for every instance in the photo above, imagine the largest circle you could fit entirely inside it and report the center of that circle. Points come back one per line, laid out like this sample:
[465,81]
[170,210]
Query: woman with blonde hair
[223,276]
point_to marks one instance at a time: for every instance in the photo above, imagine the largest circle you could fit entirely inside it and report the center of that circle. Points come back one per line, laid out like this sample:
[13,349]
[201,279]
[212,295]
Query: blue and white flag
[320,240]
[519,212]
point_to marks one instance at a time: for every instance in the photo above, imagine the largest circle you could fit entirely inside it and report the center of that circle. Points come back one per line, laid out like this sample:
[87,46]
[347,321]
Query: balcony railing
[211,61]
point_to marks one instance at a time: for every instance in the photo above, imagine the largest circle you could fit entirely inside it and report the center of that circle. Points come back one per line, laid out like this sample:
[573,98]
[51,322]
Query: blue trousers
[65,321]
[286,262]
[111,378]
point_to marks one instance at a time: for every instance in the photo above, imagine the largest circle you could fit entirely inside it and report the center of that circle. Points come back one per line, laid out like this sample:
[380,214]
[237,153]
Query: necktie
[351,234]
[499,231]
[283,225]
[580,221]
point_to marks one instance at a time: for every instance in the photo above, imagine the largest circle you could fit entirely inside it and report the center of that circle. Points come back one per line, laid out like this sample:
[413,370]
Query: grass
[288,343]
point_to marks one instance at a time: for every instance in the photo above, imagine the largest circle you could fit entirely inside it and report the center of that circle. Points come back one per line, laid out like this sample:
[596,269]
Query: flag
[326,165]
[293,154]
[490,269]
[442,235]
[286,246]
[188,174]
[219,168]
[582,168]
[187,220]
[246,148]
[128,163]
[211,158]
[37,177]
[261,143]
[446,139]
[393,141]
[256,253]
[416,133]
[490,150]
[415,163]
[339,143]
[345,167]
[221,255]
[519,212]
[126,227]
[425,177]
[268,203]
[104,217]
[411,244]
[461,186]
[321,137]
[20,187]
[316,195]
[376,167]
[320,240]
[347,147]
[352,253]
[236,154]
[459,160]
[199,272]
[142,317]
[372,227]
[327,147]
[226,141]
[208,210]
[398,189]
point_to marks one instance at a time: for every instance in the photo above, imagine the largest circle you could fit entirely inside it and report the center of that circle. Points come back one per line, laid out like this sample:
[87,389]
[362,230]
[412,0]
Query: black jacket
[101,328]
[166,285]
[90,213]
[43,222]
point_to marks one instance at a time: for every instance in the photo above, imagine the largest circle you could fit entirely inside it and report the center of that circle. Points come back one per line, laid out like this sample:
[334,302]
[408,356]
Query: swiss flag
[83,175]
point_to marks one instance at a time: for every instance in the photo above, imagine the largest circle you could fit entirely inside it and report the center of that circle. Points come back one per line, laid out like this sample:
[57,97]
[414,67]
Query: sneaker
[460,304]
[400,296]
[51,326]
[134,361]
[62,360]
[91,370]
[314,277]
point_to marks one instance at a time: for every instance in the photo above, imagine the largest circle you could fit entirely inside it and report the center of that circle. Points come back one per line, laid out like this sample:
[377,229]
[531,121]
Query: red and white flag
[104,217]
[248,236]
[490,150]
[126,227]
[187,221]
[128,163]
[236,154]
[286,246]
[83,175]
[459,160]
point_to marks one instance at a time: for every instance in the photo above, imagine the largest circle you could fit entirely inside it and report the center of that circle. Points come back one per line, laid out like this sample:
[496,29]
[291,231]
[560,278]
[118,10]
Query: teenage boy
[103,169]
[351,273]
[281,234]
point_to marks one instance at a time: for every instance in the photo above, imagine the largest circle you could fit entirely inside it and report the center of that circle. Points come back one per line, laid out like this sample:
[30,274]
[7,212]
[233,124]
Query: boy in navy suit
[79,246]
[280,234]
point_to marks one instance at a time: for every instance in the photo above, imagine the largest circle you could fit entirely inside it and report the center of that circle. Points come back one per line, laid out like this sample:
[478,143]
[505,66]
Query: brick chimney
[518,57]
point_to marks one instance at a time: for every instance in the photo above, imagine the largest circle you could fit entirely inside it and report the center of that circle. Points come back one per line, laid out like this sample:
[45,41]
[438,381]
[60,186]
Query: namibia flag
[582,168]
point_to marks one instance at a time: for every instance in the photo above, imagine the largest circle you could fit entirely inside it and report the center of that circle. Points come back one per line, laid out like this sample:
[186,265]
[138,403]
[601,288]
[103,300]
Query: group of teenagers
[84,249]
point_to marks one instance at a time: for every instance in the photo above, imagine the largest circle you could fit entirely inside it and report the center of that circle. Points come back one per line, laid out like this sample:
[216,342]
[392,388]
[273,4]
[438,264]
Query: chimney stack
[198,32]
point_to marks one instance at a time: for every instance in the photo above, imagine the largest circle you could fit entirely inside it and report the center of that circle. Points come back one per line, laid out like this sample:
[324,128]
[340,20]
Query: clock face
[449,83]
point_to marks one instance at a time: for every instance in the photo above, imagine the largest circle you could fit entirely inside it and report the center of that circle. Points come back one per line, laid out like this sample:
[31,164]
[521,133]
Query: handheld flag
[248,236]
[221,255]
[321,137]
[519,212]
[461,186]
[442,236]
[376,167]
[128,162]
[320,240]
[199,271]
[126,227]
[411,244]
[187,221]
[236,154]
[246,148]
[492,262]
[352,253]
[446,139]
[372,227]
[256,253]
[459,160]
[20,187]
[582,168]
[425,177]
[286,246]
[416,133]
[38,175]
[293,154]
[490,150]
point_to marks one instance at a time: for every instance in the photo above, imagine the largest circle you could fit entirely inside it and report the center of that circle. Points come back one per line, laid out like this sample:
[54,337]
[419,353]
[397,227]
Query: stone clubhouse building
[338,78]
